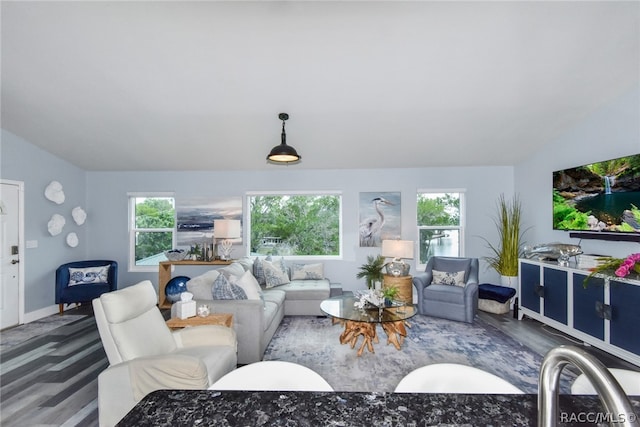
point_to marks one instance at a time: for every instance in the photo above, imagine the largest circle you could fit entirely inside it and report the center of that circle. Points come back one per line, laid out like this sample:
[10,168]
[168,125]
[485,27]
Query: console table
[604,314]
[164,275]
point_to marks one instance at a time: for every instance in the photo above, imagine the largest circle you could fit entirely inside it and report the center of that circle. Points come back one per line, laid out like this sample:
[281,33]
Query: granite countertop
[278,408]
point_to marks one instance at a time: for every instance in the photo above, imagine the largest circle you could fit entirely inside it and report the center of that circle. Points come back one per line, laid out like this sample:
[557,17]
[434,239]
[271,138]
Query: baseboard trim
[44,312]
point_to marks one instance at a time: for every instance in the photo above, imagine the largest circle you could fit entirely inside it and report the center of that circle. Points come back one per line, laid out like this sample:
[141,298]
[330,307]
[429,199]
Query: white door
[10,216]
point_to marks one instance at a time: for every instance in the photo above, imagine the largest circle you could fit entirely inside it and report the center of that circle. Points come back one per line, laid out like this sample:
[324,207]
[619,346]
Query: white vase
[510,282]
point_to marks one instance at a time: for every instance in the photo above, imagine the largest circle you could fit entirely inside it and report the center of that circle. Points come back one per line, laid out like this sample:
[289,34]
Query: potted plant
[508,249]
[372,270]
[389,293]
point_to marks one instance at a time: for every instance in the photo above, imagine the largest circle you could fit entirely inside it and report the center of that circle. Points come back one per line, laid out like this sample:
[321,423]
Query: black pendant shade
[283,153]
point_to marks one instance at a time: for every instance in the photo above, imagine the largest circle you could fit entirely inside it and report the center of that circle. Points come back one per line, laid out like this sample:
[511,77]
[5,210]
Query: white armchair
[144,355]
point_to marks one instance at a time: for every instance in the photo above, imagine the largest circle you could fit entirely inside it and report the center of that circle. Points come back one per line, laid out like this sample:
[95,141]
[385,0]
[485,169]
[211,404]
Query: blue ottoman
[494,298]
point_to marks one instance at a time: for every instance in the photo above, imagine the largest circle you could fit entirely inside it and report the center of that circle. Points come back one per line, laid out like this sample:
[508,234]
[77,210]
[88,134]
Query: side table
[164,275]
[223,319]
[404,285]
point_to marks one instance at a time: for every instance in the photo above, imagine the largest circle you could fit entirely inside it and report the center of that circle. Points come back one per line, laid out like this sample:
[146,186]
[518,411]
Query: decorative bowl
[176,254]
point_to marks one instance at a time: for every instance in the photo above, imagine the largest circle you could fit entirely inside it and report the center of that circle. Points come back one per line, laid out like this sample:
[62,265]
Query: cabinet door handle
[539,290]
[603,310]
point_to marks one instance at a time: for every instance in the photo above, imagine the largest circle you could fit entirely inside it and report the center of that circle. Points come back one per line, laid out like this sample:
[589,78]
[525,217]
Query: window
[305,225]
[151,230]
[440,224]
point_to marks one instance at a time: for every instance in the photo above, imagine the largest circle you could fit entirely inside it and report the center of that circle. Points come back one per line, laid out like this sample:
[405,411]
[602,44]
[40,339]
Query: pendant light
[283,153]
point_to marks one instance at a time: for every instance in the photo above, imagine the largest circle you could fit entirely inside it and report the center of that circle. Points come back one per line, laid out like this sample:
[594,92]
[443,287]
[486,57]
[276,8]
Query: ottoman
[494,299]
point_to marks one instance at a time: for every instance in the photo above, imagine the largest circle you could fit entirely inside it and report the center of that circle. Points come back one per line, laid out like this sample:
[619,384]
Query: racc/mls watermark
[597,417]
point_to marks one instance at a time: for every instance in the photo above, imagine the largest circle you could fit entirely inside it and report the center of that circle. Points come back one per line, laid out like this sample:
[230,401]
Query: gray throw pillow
[223,289]
[258,270]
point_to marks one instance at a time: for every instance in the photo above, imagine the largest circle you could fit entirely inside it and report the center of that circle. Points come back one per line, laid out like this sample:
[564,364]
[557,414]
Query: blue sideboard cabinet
[605,313]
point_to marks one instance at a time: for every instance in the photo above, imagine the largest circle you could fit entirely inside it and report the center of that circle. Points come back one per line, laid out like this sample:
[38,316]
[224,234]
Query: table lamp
[399,250]
[226,229]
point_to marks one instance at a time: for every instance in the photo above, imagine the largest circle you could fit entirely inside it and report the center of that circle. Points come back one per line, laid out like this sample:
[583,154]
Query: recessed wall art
[379,218]
[56,224]
[54,192]
[72,239]
[195,217]
[79,215]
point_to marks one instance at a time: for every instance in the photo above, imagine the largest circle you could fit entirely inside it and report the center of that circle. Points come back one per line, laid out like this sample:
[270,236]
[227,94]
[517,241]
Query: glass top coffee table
[363,321]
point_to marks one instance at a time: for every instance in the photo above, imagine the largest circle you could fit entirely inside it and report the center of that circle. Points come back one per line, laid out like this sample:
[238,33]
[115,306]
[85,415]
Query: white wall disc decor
[79,215]
[72,239]
[55,225]
[54,192]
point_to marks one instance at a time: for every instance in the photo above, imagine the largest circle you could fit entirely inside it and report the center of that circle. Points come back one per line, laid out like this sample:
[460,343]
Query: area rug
[313,342]
[11,337]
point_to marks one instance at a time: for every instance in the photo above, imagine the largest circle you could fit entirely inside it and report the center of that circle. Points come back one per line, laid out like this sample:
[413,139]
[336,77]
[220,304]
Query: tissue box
[185,309]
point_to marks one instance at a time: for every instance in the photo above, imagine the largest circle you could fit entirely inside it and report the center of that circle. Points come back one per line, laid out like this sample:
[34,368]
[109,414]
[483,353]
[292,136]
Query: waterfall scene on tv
[603,196]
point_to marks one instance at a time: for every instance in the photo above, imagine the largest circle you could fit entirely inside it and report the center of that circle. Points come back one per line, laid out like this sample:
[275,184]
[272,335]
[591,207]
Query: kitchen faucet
[618,407]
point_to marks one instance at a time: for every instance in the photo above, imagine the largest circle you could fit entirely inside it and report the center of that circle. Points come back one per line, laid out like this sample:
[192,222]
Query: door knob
[15,261]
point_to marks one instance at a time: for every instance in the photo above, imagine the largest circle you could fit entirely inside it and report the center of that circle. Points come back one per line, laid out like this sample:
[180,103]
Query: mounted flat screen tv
[599,200]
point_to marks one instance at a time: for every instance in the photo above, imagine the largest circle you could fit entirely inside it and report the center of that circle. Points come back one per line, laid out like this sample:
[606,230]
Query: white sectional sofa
[257,317]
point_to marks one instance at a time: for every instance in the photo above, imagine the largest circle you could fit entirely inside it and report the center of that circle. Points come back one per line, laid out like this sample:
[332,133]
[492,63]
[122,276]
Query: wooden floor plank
[85,417]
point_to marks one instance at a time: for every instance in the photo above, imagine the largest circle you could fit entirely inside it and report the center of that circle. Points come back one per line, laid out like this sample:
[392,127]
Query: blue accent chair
[66,294]
[448,301]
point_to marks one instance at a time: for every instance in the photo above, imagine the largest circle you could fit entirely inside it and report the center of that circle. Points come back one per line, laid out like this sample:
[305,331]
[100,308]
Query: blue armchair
[86,282]
[453,302]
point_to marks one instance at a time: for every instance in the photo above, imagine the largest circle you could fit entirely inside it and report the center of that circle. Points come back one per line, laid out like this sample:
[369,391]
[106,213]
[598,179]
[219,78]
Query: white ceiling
[177,85]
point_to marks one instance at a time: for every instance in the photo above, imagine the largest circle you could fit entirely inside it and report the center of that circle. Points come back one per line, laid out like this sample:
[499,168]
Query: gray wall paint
[108,200]
[612,131]
[22,161]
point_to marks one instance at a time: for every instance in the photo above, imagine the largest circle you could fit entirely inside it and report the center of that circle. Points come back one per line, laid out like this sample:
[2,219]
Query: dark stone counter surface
[277,408]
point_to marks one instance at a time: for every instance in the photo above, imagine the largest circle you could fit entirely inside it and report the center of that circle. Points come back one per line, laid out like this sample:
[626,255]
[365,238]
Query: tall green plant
[372,270]
[506,253]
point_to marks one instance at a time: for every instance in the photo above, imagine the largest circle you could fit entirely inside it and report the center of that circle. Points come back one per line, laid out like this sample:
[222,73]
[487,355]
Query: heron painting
[379,218]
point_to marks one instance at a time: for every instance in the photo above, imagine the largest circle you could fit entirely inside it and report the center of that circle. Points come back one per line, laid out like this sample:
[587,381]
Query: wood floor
[51,380]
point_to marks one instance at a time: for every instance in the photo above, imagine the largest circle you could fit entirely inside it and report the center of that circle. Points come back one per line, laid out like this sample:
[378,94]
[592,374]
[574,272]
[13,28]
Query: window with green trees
[152,226]
[439,219]
[295,224]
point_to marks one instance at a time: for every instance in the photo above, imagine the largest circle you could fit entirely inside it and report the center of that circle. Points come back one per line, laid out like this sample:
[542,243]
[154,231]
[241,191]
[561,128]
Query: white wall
[612,131]
[108,200]
[22,161]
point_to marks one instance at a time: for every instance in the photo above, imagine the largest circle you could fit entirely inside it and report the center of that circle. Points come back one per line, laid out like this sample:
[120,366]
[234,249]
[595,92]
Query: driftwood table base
[359,319]
[396,332]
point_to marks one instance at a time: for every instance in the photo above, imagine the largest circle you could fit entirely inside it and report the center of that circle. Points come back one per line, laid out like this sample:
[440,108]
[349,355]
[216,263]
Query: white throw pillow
[307,271]
[246,262]
[88,275]
[273,274]
[448,278]
[249,285]
[200,286]
[233,269]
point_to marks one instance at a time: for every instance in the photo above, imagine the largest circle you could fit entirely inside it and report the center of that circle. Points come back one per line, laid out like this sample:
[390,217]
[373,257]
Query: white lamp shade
[226,228]
[401,249]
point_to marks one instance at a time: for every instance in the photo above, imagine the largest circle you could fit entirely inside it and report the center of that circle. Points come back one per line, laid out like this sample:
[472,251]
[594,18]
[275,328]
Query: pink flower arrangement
[629,264]
[616,266]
